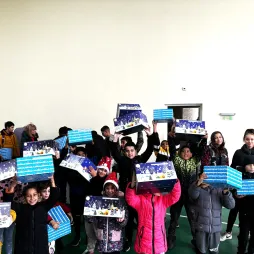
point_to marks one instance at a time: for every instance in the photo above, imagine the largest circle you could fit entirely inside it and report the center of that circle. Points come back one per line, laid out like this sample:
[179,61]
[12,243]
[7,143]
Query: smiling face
[186,153]
[110,190]
[218,139]
[164,145]
[102,172]
[130,152]
[249,141]
[32,196]
[45,193]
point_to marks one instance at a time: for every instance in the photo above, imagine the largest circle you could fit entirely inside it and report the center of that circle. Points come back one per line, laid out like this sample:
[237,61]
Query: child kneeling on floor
[206,214]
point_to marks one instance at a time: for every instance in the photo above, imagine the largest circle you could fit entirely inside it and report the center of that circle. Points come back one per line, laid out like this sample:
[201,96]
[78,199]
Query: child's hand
[72,148]
[201,178]
[71,218]
[154,126]
[206,135]
[120,219]
[93,172]
[239,196]
[116,137]
[52,180]
[148,131]
[55,224]
[14,182]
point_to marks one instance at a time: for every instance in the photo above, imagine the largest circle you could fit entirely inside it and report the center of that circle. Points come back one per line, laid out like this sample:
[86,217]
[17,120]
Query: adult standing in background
[238,163]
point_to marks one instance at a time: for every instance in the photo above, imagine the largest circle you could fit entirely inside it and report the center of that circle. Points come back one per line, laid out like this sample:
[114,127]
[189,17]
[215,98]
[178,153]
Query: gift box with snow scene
[130,123]
[104,207]
[6,153]
[247,187]
[190,127]
[155,177]
[80,136]
[163,115]
[80,164]
[223,177]
[61,142]
[125,109]
[38,148]
[7,169]
[34,168]
[5,216]
[57,214]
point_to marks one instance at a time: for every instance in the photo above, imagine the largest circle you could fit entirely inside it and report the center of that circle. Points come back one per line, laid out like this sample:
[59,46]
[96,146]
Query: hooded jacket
[151,233]
[9,140]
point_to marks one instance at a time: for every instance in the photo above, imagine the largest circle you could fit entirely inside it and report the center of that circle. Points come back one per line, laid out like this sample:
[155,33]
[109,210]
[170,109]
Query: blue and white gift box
[155,177]
[5,215]
[80,136]
[124,109]
[223,177]
[57,214]
[163,115]
[7,169]
[190,127]
[247,187]
[34,168]
[61,142]
[104,207]
[39,148]
[130,123]
[80,164]
[6,153]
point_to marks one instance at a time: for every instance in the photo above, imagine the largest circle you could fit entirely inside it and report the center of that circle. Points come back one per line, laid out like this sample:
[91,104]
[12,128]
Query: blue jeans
[6,237]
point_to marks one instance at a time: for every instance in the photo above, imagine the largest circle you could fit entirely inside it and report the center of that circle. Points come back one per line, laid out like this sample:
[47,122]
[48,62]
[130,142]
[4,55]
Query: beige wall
[69,62]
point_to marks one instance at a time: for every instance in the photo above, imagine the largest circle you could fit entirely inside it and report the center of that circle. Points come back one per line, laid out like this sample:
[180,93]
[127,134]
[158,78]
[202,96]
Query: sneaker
[76,242]
[226,236]
[177,225]
[126,246]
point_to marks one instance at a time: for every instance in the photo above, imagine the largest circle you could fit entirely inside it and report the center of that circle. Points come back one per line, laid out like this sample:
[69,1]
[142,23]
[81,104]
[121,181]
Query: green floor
[183,244]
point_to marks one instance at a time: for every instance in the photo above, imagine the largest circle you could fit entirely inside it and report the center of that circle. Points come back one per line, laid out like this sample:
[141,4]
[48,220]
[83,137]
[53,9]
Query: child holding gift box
[109,231]
[246,212]
[162,152]
[206,213]
[31,224]
[151,208]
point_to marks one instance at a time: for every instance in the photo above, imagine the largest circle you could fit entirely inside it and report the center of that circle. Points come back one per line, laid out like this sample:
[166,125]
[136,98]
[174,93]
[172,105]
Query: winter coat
[96,185]
[240,155]
[151,233]
[207,207]
[126,166]
[31,225]
[10,141]
[109,233]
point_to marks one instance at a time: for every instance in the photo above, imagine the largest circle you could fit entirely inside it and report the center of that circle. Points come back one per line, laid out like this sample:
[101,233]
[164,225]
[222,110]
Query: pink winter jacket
[151,234]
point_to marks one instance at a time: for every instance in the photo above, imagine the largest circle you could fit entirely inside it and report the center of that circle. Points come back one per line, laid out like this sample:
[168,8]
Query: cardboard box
[247,187]
[61,142]
[57,214]
[131,123]
[34,168]
[80,164]
[6,153]
[190,127]
[155,177]
[5,216]
[7,169]
[104,207]
[39,148]
[223,177]
[125,109]
[163,115]
[80,136]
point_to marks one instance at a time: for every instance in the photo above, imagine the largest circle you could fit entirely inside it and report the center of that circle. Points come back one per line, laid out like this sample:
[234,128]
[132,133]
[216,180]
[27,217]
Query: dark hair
[63,131]
[183,147]
[110,184]
[163,141]
[221,147]
[104,128]
[247,132]
[127,139]
[44,185]
[130,144]
[28,187]
[8,124]
[81,149]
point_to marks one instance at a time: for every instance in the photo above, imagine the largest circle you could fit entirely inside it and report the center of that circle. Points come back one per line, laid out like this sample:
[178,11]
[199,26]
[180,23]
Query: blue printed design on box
[6,153]
[163,115]
[34,168]
[7,169]
[124,109]
[80,164]
[131,123]
[247,187]
[223,177]
[5,216]
[104,207]
[80,136]
[61,142]
[190,127]
[154,177]
[38,148]
[57,214]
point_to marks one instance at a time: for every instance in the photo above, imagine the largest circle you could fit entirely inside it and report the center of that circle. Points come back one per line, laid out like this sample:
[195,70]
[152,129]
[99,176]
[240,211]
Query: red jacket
[151,234]
[65,208]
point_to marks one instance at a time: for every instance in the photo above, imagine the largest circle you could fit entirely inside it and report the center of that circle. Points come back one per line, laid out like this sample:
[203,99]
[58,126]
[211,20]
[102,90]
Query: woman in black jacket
[239,157]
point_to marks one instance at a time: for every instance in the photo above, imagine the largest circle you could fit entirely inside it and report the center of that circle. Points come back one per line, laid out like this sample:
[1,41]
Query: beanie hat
[248,160]
[111,178]
[105,163]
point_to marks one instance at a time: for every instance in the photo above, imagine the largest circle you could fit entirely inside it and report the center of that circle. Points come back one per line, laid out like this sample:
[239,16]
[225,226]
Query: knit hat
[112,178]
[105,163]
[248,160]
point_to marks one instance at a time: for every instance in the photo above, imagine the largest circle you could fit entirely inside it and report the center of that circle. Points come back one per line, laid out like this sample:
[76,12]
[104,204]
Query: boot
[171,242]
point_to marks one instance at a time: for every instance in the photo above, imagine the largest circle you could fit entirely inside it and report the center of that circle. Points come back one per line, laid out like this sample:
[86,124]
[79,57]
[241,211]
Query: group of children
[115,158]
